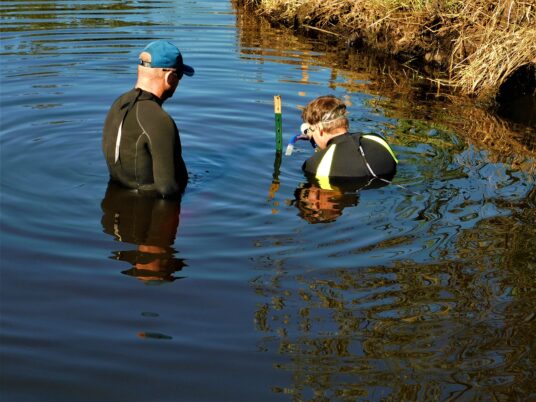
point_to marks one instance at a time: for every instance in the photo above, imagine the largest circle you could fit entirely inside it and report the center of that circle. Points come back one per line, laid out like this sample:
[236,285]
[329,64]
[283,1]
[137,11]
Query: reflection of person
[140,140]
[148,222]
[319,204]
[342,155]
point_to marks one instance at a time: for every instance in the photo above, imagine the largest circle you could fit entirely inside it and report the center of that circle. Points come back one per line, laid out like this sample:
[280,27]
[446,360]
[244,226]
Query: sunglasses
[178,73]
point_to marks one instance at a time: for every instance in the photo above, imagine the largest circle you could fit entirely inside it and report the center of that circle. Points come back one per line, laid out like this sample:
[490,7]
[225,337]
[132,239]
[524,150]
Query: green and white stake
[278,124]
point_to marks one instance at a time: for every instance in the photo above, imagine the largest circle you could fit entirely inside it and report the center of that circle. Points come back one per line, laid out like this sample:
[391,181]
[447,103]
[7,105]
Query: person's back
[350,156]
[140,140]
[149,157]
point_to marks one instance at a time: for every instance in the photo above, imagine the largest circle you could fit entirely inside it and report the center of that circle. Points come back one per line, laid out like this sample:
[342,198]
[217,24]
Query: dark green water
[262,287]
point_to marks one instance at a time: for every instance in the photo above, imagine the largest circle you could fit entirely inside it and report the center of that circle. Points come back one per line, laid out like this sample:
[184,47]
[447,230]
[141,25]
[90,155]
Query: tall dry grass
[502,40]
[478,43]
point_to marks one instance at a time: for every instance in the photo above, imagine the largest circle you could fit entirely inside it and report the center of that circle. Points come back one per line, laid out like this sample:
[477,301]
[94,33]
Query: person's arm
[162,134]
[181,173]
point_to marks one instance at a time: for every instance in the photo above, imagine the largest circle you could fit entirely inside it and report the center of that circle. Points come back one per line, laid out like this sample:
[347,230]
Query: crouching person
[340,154]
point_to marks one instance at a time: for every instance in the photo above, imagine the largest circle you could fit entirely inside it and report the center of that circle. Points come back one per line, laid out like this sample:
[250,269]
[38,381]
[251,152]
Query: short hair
[328,110]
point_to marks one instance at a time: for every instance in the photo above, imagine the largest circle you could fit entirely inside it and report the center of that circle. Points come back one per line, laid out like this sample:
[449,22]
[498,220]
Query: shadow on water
[151,225]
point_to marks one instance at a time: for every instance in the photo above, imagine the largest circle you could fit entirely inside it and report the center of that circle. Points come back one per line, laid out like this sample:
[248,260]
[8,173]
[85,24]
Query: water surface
[258,286]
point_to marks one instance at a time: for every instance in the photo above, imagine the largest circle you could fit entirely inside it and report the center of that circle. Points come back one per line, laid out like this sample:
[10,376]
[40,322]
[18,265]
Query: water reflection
[408,332]
[458,327]
[55,16]
[151,224]
[321,204]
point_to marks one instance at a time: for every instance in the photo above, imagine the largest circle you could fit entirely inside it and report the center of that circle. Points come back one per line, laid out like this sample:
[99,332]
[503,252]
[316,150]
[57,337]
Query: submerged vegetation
[486,48]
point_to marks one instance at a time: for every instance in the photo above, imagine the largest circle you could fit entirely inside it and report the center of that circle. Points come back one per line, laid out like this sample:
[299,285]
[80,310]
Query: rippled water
[259,286]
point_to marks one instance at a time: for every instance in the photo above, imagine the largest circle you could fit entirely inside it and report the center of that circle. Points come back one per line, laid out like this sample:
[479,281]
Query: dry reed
[478,43]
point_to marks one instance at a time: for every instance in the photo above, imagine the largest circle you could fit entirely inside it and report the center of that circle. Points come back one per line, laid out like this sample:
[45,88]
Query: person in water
[340,154]
[140,141]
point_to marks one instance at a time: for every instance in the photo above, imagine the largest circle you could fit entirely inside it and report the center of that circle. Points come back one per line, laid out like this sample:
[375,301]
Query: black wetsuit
[148,155]
[342,158]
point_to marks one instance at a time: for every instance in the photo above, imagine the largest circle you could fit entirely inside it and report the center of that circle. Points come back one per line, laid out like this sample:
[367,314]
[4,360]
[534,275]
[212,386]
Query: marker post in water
[278,124]
[278,152]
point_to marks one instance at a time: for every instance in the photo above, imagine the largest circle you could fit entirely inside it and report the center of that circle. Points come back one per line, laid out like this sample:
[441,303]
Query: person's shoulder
[151,109]
[154,118]
[126,96]
[360,136]
[376,143]
[312,162]
[372,137]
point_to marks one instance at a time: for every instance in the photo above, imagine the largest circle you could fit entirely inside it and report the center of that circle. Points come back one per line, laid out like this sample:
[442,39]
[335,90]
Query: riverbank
[484,48]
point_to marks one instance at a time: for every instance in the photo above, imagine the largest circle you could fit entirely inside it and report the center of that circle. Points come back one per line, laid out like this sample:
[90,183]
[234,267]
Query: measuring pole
[278,124]
[278,149]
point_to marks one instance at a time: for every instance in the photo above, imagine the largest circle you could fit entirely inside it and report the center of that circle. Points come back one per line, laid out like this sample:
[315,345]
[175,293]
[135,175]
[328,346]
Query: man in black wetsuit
[140,140]
[342,155]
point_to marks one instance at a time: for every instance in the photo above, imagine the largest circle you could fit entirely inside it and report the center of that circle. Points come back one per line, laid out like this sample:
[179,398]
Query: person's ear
[145,57]
[169,78]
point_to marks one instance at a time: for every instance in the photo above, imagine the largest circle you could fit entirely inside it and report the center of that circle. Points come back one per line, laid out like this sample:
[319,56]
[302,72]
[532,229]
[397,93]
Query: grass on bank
[479,43]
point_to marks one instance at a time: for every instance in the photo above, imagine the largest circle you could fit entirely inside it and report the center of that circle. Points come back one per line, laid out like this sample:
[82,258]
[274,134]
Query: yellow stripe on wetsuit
[382,142]
[324,168]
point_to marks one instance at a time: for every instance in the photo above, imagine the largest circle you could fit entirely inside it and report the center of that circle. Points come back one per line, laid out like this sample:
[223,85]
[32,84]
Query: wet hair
[328,110]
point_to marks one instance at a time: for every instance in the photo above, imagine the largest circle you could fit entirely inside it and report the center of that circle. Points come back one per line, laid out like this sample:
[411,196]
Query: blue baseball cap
[165,54]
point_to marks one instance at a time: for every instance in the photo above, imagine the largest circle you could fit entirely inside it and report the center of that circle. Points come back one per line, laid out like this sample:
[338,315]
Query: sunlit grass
[478,42]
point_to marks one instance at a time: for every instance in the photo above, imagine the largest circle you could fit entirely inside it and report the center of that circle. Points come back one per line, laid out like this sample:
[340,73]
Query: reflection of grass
[352,330]
[504,142]
[44,16]
[480,43]
[408,132]
[403,331]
